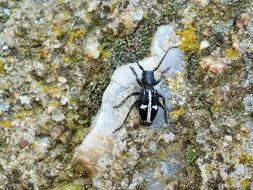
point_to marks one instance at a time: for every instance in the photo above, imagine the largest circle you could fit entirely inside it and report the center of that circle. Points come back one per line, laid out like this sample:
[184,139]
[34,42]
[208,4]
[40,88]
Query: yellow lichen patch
[1,66]
[231,53]
[66,59]
[174,84]
[35,144]
[177,113]
[46,129]
[55,104]
[246,159]
[229,183]
[88,16]
[60,1]
[22,114]
[210,168]
[50,89]
[177,82]
[245,183]
[55,90]
[55,71]
[104,53]
[75,34]
[161,154]
[6,124]
[189,42]
[57,31]
[216,107]
[46,89]
[66,16]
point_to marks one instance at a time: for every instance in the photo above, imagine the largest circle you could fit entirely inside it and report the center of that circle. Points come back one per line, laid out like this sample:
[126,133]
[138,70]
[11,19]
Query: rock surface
[58,57]
[99,142]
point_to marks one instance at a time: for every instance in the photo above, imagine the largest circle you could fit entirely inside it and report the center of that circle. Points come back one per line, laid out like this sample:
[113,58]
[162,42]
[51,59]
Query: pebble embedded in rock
[213,66]
[4,106]
[248,103]
[228,138]
[204,44]
[43,144]
[58,116]
[168,137]
[5,47]
[23,143]
[92,48]
[7,12]
[243,21]
[137,16]
[62,80]
[25,100]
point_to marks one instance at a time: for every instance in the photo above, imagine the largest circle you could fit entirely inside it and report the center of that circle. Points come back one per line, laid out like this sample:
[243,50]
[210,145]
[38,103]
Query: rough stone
[99,142]
[60,56]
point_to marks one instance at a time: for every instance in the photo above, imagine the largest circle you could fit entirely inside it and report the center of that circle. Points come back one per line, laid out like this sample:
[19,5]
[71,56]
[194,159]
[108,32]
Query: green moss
[133,47]
[68,186]
[191,155]
[217,12]
[70,117]
[79,135]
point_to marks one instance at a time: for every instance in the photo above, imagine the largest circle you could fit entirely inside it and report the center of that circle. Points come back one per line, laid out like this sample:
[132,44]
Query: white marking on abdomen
[149,106]
[155,107]
[143,107]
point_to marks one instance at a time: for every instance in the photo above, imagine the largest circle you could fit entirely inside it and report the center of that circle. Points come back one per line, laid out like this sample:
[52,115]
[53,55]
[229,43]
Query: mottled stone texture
[58,57]
[98,144]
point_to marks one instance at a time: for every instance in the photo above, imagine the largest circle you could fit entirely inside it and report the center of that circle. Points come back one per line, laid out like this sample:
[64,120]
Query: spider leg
[123,101]
[131,108]
[157,67]
[135,74]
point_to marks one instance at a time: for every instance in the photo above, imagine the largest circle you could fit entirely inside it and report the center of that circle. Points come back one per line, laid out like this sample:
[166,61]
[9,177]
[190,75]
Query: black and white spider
[148,98]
